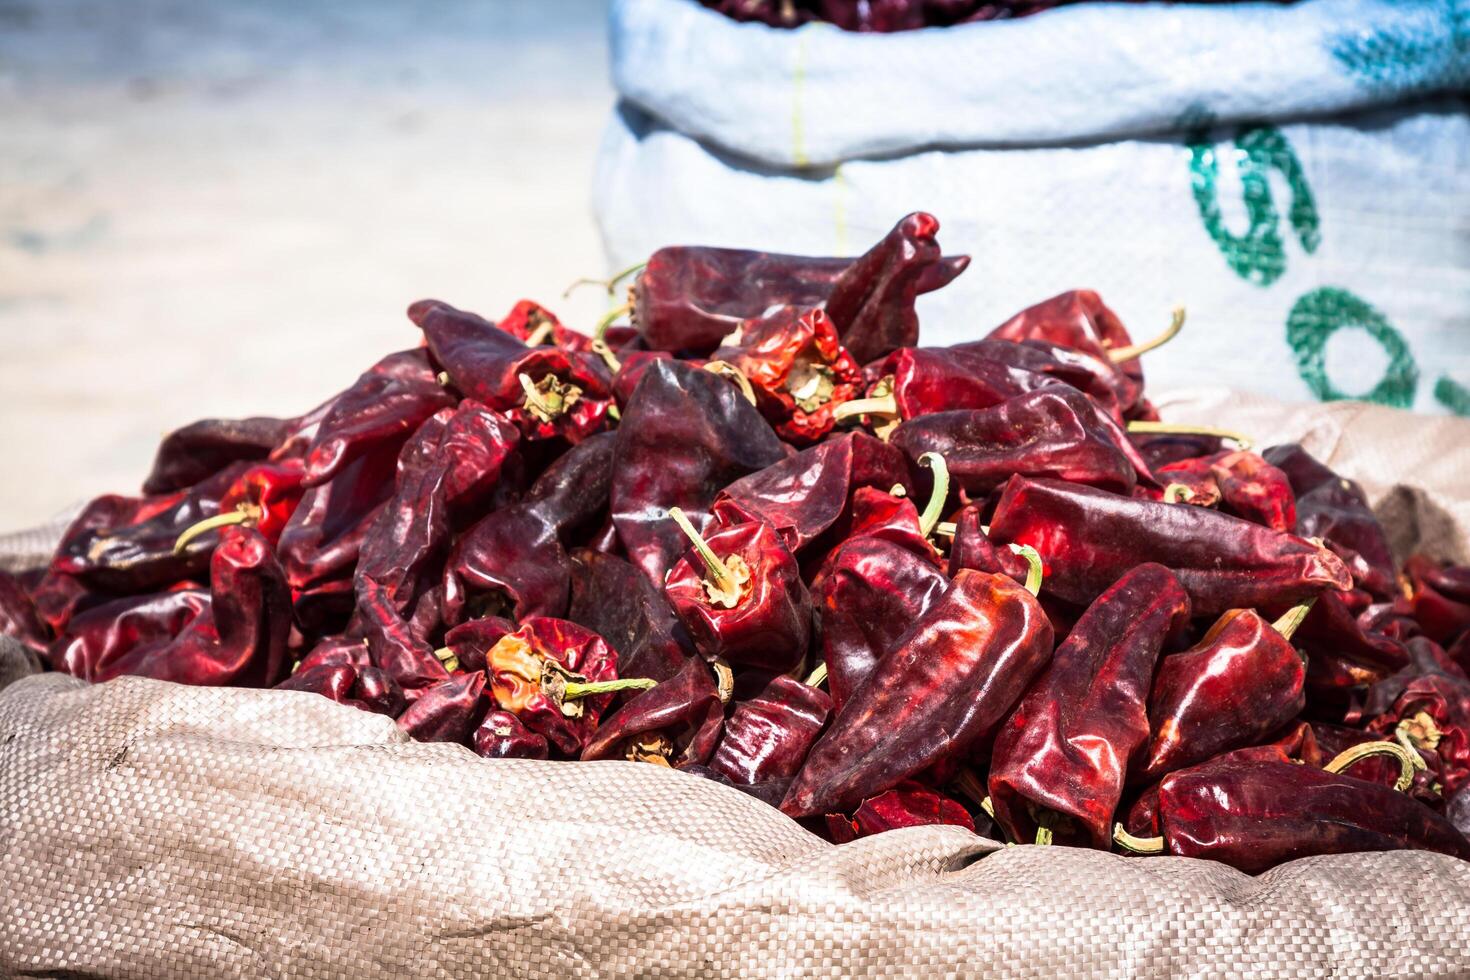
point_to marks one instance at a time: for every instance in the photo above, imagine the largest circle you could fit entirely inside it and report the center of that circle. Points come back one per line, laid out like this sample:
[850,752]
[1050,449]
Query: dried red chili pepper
[684,436]
[615,600]
[1235,687]
[1253,489]
[1433,714]
[465,645]
[1331,628]
[264,497]
[534,325]
[946,685]
[1439,598]
[1088,538]
[1254,815]
[480,443]
[972,548]
[547,392]
[515,559]
[350,680]
[1055,432]
[909,804]
[689,298]
[446,712]
[799,369]
[18,616]
[630,370]
[199,450]
[809,495]
[503,736]
[771,728]
[1027,359]
[1060,759]
[101,635]
[396,647]
[1162,449]
[740,596]
[675,724]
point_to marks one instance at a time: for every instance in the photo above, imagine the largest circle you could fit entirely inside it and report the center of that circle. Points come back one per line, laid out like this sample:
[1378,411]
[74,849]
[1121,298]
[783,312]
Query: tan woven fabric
[156,830]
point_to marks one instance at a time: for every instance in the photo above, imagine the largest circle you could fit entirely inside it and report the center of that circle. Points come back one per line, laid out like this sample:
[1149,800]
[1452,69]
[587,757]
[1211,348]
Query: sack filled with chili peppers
[762,535]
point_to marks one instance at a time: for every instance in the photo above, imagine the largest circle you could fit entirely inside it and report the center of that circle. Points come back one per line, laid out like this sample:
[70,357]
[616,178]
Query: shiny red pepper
[616,601]
[946,685]
[447,711]
[1059,763]
[1088,538]
[771,728]
[343,672]
[1439,597]
[101,635]
[676,724]
[198,451]
[909,804]
[504,736]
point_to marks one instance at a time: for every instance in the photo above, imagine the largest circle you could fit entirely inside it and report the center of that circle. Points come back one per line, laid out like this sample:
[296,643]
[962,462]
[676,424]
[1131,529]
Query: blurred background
[211,207]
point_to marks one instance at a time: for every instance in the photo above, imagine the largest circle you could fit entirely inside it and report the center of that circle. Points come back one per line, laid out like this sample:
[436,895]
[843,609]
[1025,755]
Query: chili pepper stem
[1177,493]
[599,332]
[1035,571]
[712,562]
[885,406]
[817,677]
[243,514]
[1176,323]
[732,373]
[1173,429]
[934,509]
[445,656]
[1363,750]
[1043,836]
[538,336]
[534,398]
[1293,618]
[600,348]
[724,680]
[611,284]
[988,806]
[577,689]
[1138,845]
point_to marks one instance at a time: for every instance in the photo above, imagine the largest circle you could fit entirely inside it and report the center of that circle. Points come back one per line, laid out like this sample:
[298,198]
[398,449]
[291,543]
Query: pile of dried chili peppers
[885,16]
[760,535]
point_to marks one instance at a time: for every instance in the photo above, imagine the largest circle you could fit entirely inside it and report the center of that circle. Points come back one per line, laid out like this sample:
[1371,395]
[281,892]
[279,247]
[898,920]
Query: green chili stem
[600,348]
[1138,845]
[608,319]
[534,398]
[1293,618]
[613,412]
[1363,750]
[581,689]
[946,529]
[729,371]
[1035,571]
[817,677]
[243,514]
[1173,429]
[711,560]
[445,656]
[934,509]
[1176,323]
[1043,836]
[988,807]
[442,378]
[1177,493]
[538,336]
[611,285]
[884,405]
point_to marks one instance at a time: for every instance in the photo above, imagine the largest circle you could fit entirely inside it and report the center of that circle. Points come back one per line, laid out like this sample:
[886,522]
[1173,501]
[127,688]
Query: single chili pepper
[771,728]
[395,647]
[515,558]
[446,712]
[1425,657]
[1255,815]
[198,451]
[503,736]
[972,548]
[534,325]
[809,495]
[1235,687]
[1253,489]
[1443,701]
[1052,432]
[798,367]
[557,678]
[946,685]
[1094,377]
[615,600]
[1160,449]
[362,686]
[480,444]
[18,616]
[1336,510]
[909,804]
[685,436]
[465,645]
[1090,537]
[689,298]
[871,591]
[675,724]
[1059,762]
[1297,745]
[1439,598]
[876,514]
[264,497]
[321,542]
[379,412]
[102,634]
[547,392]
[1331,628]
[239,639]
[740,596]
[138,556]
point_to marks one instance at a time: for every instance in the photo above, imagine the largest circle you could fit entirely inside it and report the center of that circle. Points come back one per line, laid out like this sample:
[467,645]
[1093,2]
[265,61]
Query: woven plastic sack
[1297,176]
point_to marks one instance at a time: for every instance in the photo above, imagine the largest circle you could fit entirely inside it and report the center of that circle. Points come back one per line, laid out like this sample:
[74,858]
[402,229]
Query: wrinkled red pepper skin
[1256,815]
[196,452]
[614,599]
[18,616]
[516,556]
[1253,489]
[1236,687]
[1439,600]
[359,685]
[771,728]
[101,635]
[871,591]
[877,514]
[394,646]
[972,548]
[446,712]
[239,640]
[872,302]
[503,736]
[274,489]
[1079,320]
[1164,449]
[685,435]
[469,642]
[1027,358]
[770,627]
[480,443]
[577,650]
[686,709]
[1066,748]
[1088,538]
[909,804]
[634,364]
[946,685]
[809,495]
[1331,628]
[1054,432]
[1446,699]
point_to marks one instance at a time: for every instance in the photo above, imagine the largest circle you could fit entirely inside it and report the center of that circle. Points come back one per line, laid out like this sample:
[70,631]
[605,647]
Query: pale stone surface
[221,208]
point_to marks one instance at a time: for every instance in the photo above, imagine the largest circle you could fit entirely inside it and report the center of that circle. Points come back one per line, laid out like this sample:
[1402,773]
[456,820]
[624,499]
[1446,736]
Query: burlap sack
[151,829]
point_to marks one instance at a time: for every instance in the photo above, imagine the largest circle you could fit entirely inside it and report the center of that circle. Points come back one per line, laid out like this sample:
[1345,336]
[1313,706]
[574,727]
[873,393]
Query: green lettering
[1320,314]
